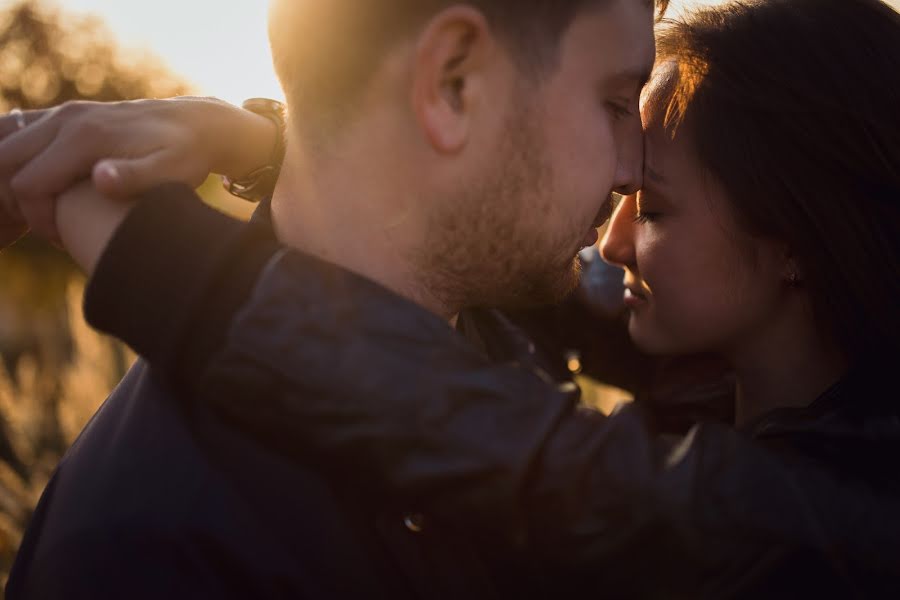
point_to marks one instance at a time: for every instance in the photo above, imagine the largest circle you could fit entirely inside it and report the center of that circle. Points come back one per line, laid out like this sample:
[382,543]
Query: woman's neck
[787,365]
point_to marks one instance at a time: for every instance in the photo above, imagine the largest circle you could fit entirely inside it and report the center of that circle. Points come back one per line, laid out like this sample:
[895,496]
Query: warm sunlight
[485,317]
[219,47]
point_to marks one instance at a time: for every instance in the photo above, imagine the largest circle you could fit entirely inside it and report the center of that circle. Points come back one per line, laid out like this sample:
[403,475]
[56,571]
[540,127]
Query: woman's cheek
[653,255]
[681,305]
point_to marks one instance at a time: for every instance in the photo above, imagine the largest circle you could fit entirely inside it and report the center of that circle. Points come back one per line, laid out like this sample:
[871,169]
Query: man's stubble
[491,245]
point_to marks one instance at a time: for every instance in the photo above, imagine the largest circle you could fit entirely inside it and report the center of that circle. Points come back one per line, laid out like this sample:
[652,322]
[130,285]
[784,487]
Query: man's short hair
[326,50]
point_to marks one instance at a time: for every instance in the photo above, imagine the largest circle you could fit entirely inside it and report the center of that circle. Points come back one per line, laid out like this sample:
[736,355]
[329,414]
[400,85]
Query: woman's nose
[617,247]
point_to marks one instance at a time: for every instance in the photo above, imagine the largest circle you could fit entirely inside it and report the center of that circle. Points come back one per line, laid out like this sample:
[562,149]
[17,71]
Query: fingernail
[109,170]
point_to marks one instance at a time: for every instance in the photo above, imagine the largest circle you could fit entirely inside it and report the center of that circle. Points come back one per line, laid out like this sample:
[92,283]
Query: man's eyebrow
[637,77]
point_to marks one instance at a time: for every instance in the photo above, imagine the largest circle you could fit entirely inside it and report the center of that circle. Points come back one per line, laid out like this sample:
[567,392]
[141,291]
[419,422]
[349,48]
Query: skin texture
[476,183]
[88,221]
[124,147]
[568,142]
[458,158]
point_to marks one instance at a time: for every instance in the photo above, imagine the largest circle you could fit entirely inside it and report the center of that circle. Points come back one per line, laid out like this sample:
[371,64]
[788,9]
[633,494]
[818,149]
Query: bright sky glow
[219,46]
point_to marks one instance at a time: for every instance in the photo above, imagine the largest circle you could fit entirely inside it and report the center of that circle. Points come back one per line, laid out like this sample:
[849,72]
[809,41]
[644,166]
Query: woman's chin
[651,340]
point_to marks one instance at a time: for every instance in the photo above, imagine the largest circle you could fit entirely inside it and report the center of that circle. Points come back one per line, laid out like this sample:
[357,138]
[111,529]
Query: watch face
[255,186]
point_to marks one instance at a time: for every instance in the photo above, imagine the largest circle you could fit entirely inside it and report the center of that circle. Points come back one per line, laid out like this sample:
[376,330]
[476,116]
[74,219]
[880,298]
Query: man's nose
[630,169]
[617,247]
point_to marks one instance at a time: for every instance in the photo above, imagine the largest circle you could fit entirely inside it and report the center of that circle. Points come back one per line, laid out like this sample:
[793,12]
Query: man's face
[542,188]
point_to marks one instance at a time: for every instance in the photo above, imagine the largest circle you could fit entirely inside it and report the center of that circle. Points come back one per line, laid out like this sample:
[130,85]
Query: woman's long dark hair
[794,107]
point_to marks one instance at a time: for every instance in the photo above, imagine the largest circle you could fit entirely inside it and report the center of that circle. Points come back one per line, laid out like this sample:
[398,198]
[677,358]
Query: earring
[793,279]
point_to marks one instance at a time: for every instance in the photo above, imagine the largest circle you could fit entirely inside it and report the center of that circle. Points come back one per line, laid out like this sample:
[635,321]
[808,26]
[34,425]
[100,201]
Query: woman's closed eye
[645,212]
[644,216]
[650,206]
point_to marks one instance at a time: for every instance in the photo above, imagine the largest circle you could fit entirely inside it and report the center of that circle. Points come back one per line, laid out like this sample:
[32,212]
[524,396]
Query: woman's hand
[87,221]
[124,148]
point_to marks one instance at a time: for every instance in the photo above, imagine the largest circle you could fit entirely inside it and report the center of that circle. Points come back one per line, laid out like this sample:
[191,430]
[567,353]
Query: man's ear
[451,57]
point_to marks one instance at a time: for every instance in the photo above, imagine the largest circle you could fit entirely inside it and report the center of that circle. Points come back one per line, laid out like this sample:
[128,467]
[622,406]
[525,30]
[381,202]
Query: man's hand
[124,148]
[12,223]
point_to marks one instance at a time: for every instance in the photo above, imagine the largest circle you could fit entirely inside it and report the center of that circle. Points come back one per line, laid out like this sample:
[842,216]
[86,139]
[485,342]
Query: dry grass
[45,401]
[54,373]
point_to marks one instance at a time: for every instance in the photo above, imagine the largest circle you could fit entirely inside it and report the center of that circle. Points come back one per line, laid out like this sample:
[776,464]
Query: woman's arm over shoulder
[366,385]
[339,373]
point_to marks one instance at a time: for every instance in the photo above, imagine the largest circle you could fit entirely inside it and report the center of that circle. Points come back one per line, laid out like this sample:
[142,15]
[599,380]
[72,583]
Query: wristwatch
[260,183]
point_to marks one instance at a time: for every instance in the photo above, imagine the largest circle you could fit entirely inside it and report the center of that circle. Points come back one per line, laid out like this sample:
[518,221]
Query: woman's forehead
[659,93]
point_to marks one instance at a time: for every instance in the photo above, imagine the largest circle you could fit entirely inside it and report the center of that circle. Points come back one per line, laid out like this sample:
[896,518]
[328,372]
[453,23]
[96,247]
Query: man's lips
[603,215]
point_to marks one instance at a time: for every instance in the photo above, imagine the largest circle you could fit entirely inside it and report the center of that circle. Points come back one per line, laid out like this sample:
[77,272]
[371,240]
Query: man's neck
[346,221]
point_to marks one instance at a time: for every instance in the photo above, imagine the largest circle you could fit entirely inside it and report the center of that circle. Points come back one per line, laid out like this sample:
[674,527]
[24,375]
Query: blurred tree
[47,58]
[54,371]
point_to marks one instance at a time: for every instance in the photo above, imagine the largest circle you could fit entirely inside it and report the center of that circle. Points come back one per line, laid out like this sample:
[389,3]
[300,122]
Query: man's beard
[489,245]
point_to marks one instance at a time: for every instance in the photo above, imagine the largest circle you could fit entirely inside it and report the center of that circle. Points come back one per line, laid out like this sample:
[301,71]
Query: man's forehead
[621,32]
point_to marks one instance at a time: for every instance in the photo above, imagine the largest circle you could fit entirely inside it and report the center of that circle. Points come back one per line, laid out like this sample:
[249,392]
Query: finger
[12,223]
[125,178]
[9,208]
[40,215]
[22,146]
[65,161]
[9,123]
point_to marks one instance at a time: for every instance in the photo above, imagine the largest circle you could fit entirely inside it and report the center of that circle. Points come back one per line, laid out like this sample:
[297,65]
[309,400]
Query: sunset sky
[222,51]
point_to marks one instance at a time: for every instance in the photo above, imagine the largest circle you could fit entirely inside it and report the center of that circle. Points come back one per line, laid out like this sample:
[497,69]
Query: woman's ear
[451,58]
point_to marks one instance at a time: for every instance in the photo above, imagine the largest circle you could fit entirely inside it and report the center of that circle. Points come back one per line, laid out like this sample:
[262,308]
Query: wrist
[86,221]
[172,276]
[260,182]
[240,141]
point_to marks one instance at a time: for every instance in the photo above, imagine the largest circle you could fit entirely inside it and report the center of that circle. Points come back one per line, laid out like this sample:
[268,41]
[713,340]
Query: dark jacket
[152,502]
[311,359]
[159,498]
[805,502]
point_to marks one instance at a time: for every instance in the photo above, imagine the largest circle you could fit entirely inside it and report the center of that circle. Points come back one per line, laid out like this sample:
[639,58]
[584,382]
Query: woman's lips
[634,298]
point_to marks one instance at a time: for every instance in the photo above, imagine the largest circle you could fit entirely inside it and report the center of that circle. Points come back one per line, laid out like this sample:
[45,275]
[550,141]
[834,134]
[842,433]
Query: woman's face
[695,282]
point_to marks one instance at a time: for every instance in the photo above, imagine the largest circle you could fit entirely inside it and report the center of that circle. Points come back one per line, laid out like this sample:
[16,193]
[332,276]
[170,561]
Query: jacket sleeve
[338,373]
[368,385]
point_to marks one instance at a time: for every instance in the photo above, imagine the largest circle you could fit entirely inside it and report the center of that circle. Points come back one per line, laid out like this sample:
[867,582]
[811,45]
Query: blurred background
[54,370]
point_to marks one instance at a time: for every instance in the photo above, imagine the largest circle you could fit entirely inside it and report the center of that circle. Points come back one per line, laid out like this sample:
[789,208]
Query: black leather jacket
[804,502]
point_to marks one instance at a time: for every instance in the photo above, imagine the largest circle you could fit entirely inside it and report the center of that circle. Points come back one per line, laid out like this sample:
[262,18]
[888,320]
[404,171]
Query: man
[459,155]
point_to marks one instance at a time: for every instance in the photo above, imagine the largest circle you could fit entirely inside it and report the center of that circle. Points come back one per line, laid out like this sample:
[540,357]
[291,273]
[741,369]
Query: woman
[768,231]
